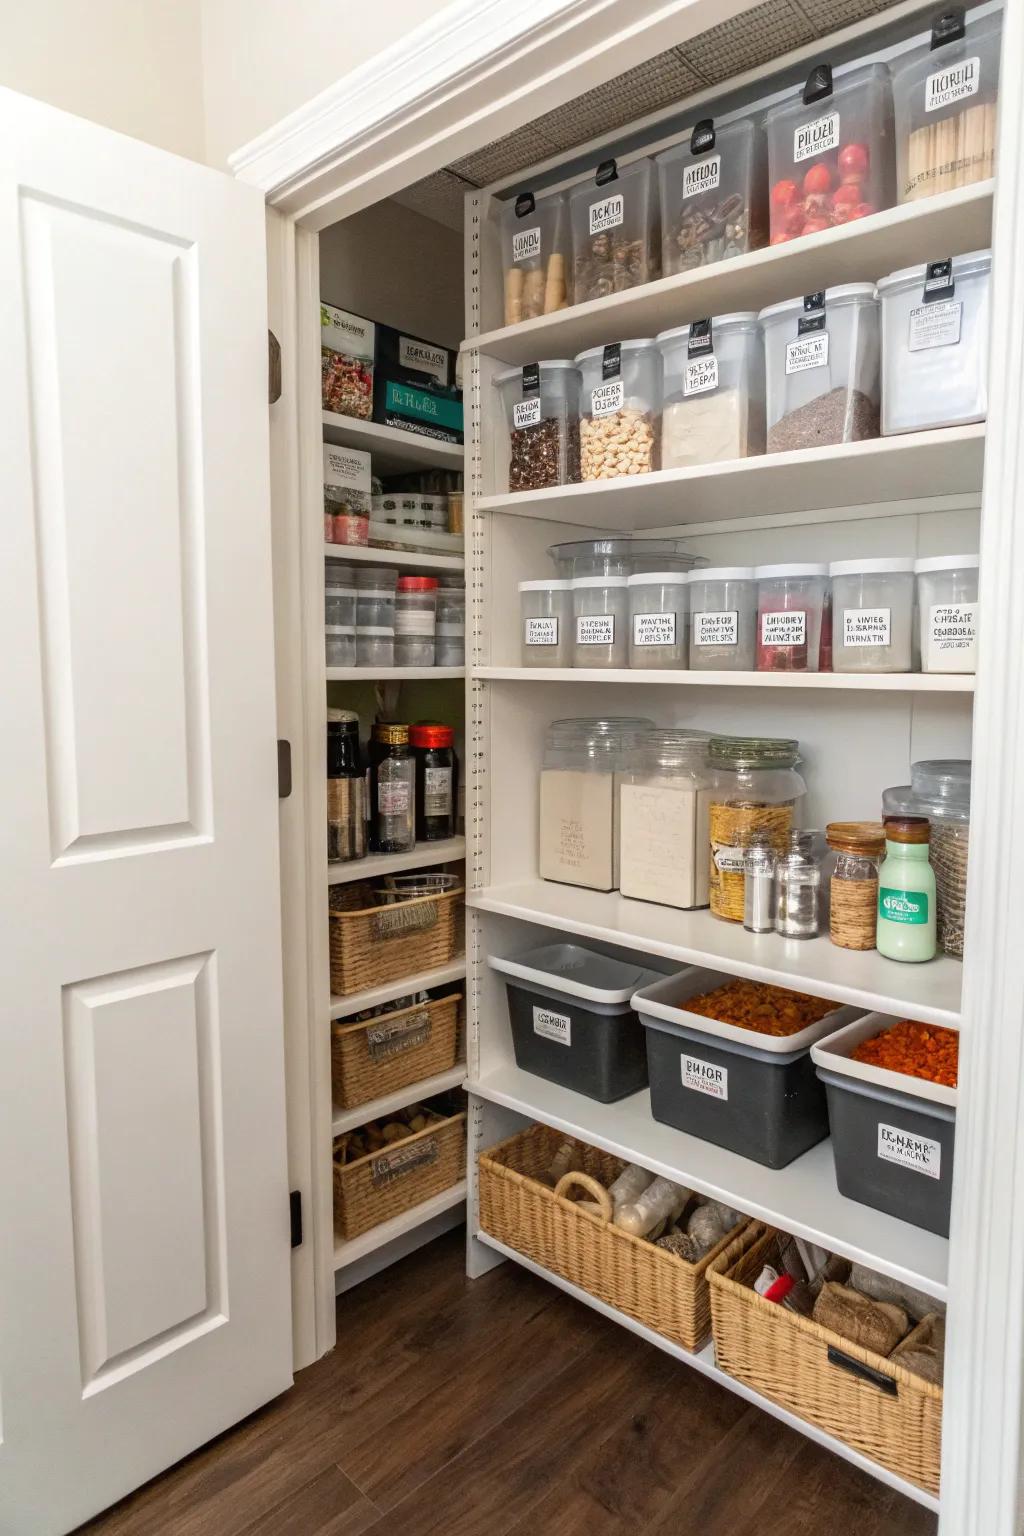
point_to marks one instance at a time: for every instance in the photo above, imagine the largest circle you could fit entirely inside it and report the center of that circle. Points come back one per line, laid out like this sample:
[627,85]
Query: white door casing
[144,1258]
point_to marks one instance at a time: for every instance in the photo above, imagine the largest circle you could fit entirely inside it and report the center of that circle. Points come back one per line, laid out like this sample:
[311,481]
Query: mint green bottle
[906,892]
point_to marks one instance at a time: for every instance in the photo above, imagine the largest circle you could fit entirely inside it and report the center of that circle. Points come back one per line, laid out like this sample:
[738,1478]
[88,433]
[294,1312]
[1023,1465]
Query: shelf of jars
[883,682]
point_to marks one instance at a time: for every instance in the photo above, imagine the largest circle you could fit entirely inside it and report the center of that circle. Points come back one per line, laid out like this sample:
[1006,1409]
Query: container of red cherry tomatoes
[831,152]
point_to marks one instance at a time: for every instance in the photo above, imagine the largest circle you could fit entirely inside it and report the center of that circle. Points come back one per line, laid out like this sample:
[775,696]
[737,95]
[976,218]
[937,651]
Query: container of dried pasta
[755,788]
[535,255]
[940,788]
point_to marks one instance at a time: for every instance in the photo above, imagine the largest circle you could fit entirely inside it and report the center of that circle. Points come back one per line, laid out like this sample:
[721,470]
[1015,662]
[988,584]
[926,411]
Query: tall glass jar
[754,791]
[579,789]
[663,820]
[851,870]
[346,798]
[392,789]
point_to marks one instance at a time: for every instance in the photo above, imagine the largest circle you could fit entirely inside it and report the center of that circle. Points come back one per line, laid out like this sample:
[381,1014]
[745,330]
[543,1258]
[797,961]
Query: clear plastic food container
[339,603]
[712,391]
[723,619]
[546,608]
[872,614]
[600,609]
[535,255]
[621,557]
[831,153]
[790,599]
[375,646]
[340,645]
[935,322]
[615,241]
[620,409]
[947,612]
[658,613]
[542,406]
[945,94]
[579,791]
[822,368]
[712,195]
[450,629]
[415,621]
[375,598]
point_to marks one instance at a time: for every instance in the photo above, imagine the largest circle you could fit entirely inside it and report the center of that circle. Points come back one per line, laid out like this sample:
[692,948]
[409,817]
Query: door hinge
[284,769]
[274,368]
[295,1212]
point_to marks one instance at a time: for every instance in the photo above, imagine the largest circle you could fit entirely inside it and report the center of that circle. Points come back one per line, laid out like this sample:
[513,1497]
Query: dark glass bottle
[436,781]
[346,795]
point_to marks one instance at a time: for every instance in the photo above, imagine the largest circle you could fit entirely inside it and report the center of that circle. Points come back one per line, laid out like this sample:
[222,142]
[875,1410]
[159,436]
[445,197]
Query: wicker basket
[647,1283]
[373,945]
[862,1398]
[382,1185]
[393,1050]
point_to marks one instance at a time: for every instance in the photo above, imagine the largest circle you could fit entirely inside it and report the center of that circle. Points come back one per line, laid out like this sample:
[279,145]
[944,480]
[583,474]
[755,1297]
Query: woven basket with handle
[372,945]
[385,1184]
[393,1050]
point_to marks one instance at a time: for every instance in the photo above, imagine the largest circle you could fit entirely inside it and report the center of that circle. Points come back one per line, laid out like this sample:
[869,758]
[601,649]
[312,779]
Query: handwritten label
[608,213]
[716,627]
[816,138]
[606,399]
[526,244]
[909,1151]
[935,325]
[552,1026]
[654,629]
[704,1077]
[700,376]
[784,628]
[867,626]
[595,629]
[807,352]
[526,413]
[540,631]
[702,176]
[953,84]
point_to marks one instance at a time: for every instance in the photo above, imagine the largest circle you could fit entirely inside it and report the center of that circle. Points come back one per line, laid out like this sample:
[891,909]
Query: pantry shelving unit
[855,682]
[392,674]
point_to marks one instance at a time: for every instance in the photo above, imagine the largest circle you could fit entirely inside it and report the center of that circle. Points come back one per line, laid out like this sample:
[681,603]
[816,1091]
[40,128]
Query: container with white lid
[712,391]
[542,402]
[614,220]
[822,356]
[658,613]
[947,612]
[723,619]
[620,409]
[872,614]
[790,599]
[600,610]
[935,325]
[546,610]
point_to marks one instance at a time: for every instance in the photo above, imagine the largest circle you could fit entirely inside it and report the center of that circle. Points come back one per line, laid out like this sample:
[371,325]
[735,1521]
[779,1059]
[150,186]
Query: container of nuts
[713,195]
[541,404]
[620,409]
[615,242]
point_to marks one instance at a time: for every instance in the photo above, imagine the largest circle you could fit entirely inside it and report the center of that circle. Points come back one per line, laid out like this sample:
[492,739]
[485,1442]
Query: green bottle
[906,892]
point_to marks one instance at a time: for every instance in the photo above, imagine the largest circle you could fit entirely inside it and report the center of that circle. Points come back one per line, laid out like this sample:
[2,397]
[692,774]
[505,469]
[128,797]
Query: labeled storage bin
[712,195]
[723,619]
[892,1133]
[712,391]
[872,614]
[383,1185]
[658,619]
[822,359]
[866,1400]
[831,151]
[947,612]
[377,1056]
[935,324]
[546,611]
[374,942]
[650,1284]
[535,255]
[600,609]
[945,94]
[620,409]
[542,403]
[752,1093]
[790,604]
[615,241]
[572,1020]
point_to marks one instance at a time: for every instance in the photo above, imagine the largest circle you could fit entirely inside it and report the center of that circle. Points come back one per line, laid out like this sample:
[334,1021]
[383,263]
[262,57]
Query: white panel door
[144,1236]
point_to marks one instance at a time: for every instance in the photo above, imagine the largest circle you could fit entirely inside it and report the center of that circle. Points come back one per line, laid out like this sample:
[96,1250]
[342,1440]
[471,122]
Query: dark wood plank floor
[502,1407]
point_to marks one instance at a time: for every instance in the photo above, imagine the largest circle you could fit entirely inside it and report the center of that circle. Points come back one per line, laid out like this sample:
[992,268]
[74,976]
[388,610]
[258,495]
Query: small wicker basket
[864,1399]
[385,1184]
[393,1050]
[372,945]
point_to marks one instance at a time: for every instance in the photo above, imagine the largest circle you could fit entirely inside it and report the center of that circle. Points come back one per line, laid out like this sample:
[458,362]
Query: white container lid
[374,630]
[638,344]
[549,362]
[658,579]
[767,572]
[972,264]
[833,1054]
[883,565]
[577,971]
[718,323]
[845,293]
[722,573]
[599,581]
[556,584]
[340,629]
[947,563]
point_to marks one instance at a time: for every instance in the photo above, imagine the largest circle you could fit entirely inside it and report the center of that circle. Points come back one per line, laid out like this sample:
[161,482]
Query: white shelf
[390,674]
[387,1231]
[803,1198]
[704,1361]
[394,452]
[376,1109]
[953,222]
[445,852]
[944,462]
[376,997]
[929,993]
[894,682]
[369,554]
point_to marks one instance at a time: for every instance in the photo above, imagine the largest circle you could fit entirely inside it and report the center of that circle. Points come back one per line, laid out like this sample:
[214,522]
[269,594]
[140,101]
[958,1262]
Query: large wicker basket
[382,1185]
[372,945]
[645,1282]
[393,1050]
[864,1399]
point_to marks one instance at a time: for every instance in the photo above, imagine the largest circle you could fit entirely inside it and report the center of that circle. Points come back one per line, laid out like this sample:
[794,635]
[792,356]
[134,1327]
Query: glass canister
[346,783]
[600,609]
[658,619]
[940,788]
[712,391]
[663,820]
[579,790]
[935,336]
[790,599]
[620,409]
[392,789]
[415,621]
[436,797]
[535,254]
[450,629]
[614,230]
[872,614]
[754,791]
[542,405]
[945,93]
[947,612]
[822,357]
[723,619]
[546,611]
[713,195]
[855,850]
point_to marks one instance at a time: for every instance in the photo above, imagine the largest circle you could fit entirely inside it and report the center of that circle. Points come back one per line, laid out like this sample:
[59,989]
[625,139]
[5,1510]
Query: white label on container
[393,797]
[553,1026]
[816,138]
[935,325]
[910,1151]
[347,468]
[437,791]
[606,399]
[730,861]
[526,413]
[952,84]
[702,175]
[421,357]
[413,621]
[654,629]
[951,626]
[716,627]
[704,1077]
[867,626]
[526,244]
[595,629]
[784,628]
[700,376]
[608,213]
[540,631]
[809,351]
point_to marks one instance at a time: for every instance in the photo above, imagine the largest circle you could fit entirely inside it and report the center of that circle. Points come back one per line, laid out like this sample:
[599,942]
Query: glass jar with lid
[851,873]
[392,789]
[579,784]
[663,820]
[940,788]
[754,791]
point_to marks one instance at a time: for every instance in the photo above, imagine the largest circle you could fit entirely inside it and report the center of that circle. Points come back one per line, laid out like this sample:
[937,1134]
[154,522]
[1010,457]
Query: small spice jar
[620,409]
[755,787]
[790,599]
[852,870]
[600,607]
[542,402]
[872,614]
[415,621]
[392,789]
[905,929]
[798,889]
[435,781]
[658,618]
[346,784]
[947,612]
[723,619]
[546,610]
